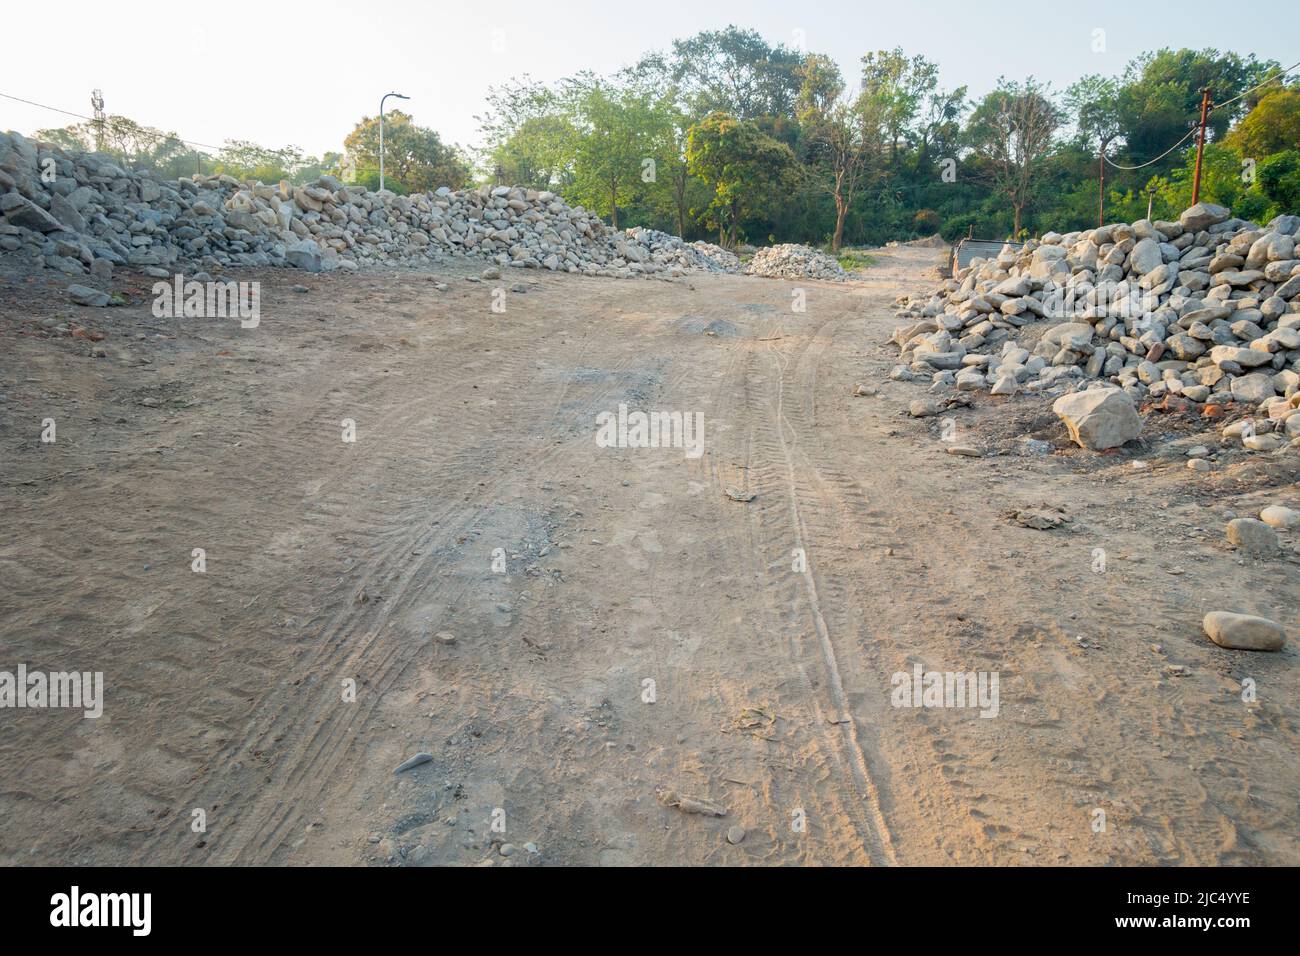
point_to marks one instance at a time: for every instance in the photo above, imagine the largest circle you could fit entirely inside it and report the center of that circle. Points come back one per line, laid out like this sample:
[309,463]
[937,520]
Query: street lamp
[381,134]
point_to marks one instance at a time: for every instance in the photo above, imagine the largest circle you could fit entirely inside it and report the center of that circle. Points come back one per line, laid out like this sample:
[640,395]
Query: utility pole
[1101,189]
[1200,145]
[381,134]
[97,104]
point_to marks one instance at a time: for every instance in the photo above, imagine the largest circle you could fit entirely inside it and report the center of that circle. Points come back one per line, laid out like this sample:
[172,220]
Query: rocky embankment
[82,213]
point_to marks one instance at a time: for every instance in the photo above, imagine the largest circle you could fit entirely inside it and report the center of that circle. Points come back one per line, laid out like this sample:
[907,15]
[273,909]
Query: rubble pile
[696,256]
[82,213]
[1204,311]
[791,261]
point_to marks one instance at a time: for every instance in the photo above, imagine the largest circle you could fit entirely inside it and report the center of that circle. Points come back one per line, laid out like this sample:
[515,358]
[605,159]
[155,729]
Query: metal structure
[971,248]
[381,133]
[97,105]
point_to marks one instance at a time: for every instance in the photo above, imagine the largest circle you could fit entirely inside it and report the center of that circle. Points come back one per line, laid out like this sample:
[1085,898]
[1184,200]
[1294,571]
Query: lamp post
[381,134]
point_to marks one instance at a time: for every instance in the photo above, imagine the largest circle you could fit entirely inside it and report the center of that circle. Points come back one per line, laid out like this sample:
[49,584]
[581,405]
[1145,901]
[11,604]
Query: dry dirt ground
[329,562]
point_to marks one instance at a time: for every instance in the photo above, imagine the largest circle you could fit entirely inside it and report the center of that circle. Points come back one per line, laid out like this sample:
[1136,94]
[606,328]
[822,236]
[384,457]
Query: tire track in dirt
[876,830]
[748,399]
[843,512]
[379,655]
[407,533]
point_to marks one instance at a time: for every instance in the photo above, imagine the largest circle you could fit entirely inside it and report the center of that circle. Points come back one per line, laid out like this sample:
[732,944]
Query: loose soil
[648,633]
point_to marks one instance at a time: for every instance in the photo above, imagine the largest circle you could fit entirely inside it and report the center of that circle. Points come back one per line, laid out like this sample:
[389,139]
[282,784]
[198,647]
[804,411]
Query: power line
[1277,75]
[142,131]
[43,106]
[1158,158]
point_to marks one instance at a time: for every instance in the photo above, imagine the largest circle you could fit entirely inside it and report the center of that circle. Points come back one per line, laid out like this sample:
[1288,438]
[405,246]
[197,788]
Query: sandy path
[331,562]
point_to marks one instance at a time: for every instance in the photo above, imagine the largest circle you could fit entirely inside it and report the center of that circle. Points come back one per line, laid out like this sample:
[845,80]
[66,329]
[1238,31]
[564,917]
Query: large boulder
[1279,516]
[1099,418]
[1248,358]
[1244,632]
[85,295]
[1252,536]
[1145,257]
[1202,216]
[21,211]
[1270,247]
[65,212]
[1254,388]
[1069,335]
[304,254]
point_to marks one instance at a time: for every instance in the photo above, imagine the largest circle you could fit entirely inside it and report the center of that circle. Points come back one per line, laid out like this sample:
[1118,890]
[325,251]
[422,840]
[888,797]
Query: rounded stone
[1244,632]
[1276,516]
[1252,536]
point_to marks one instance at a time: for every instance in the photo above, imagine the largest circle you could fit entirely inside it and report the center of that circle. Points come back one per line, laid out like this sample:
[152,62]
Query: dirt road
[638,631]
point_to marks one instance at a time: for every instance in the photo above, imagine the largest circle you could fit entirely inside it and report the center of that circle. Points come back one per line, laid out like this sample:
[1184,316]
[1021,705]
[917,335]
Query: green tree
[246,160]
[746,168]
[1160,97]
[619,131]
[735,71]
[939,127]
[836,133]
[529,134]
[1011,131]
[677,188]
[1272,126]
[1279,180]
[413,155]
[1092,103]
[895,87]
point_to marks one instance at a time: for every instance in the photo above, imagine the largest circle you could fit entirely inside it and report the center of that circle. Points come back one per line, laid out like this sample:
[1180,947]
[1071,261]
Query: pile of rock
[1202,311]
[670,250]
[791,261]
[79,212]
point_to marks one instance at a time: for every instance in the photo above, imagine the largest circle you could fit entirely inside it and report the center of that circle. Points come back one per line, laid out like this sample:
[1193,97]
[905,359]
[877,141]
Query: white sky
[304,73]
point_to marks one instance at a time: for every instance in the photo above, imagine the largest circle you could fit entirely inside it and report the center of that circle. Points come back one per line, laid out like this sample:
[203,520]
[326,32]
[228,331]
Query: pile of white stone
[692,256]
[791,261]
[1205,309]
[82,212]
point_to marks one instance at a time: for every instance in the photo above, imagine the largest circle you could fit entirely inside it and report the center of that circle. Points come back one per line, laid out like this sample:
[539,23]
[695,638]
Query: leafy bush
[926,222]
[369,178]
[1279,179]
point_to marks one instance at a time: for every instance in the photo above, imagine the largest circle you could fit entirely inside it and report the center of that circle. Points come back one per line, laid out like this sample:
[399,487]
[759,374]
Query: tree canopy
[893,153]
